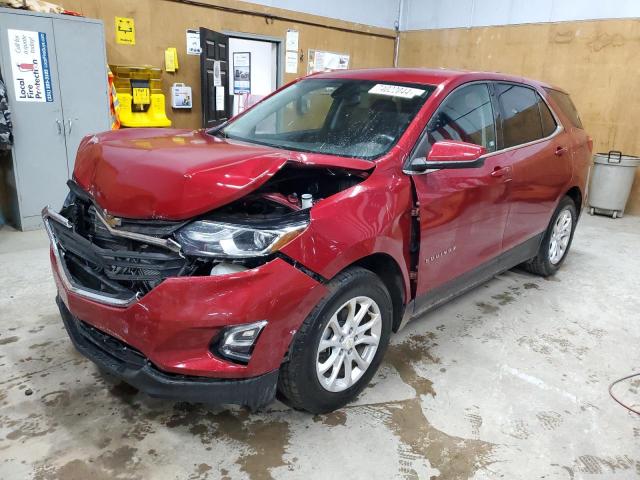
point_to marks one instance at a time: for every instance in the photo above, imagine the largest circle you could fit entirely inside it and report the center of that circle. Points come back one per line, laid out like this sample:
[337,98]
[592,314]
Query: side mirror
[451,154]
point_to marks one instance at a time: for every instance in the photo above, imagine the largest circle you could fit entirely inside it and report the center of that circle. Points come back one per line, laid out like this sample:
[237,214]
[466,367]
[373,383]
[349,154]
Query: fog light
[236,343]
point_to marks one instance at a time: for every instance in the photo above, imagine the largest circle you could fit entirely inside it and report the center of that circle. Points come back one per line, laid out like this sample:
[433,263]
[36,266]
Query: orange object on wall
[114,103]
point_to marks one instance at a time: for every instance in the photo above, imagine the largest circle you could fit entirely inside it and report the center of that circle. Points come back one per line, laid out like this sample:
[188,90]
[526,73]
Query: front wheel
[339,345]
[556,241]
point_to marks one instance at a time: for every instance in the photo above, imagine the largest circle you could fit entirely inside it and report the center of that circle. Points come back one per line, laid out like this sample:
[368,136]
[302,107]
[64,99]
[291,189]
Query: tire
[544,263]
[299,383]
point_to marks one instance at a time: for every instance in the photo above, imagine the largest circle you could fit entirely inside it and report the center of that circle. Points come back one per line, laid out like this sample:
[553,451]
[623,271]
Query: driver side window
[466,115]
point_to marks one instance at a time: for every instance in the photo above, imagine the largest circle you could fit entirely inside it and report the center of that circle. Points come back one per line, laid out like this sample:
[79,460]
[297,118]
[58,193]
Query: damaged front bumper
[165,342]
[131,366]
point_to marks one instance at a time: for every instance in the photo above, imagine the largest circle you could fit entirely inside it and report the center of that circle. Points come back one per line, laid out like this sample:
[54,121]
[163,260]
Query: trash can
[611,181]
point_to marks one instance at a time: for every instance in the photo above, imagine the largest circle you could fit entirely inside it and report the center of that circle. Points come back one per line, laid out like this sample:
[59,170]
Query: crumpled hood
[178,174]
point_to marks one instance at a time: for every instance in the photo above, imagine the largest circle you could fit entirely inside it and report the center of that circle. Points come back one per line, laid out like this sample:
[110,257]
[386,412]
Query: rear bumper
[131,366]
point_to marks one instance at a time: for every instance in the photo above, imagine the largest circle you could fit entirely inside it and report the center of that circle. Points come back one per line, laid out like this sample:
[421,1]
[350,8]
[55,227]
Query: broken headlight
[210,238]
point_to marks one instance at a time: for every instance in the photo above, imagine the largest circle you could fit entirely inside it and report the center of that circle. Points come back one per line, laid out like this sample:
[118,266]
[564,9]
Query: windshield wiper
[217,130]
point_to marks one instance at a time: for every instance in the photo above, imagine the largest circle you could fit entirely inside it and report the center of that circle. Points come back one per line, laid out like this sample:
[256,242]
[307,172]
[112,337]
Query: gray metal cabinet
[76,103]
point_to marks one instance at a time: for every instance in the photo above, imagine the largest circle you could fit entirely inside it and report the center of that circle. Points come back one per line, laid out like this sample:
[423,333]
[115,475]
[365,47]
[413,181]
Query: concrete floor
[509,381]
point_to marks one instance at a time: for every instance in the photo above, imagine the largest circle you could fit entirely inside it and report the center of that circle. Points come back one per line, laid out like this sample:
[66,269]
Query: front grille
[113,265]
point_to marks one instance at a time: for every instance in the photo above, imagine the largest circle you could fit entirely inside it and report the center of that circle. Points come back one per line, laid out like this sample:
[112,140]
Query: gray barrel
[611,180]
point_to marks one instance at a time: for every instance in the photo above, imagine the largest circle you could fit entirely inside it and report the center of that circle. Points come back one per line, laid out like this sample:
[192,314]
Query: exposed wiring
[637,412]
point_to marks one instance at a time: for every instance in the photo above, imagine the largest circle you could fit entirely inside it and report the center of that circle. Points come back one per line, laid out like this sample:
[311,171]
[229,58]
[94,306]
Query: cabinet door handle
[70,125]
[59,125]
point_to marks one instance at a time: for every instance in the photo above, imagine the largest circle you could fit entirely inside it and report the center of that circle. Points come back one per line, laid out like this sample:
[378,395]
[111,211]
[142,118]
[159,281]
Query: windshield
[352,118]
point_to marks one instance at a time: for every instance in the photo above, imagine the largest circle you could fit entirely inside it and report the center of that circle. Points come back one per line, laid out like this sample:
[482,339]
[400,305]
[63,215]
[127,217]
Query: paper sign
[395,90]
[292,40]
[171,59]
[220,99]
[125,31]
[181,96]
[141,96]
[30,66]
[241,59]
[193,42]
[217,75]
[291,62]
[320,61]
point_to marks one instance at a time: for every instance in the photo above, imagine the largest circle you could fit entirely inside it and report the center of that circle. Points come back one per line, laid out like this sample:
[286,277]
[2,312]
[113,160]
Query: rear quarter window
[548,123]
[565,104]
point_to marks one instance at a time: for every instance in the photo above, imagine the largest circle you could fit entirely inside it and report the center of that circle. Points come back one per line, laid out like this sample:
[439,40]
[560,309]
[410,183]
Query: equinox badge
[438,255]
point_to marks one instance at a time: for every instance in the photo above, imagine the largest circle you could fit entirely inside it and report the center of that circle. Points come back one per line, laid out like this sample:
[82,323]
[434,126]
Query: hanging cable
[637,412]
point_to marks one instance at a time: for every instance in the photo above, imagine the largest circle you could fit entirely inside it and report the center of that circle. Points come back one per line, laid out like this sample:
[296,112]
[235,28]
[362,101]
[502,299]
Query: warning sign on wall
[30,66]
[125,31]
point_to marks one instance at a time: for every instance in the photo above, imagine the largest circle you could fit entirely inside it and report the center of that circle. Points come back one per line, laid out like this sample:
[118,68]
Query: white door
[257,60]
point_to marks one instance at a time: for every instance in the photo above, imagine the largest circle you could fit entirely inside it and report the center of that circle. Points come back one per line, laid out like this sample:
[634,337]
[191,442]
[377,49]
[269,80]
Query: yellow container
[139,90]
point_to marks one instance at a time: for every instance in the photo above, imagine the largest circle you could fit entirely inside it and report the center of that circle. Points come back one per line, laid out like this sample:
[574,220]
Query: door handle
[59,125]
[561,151]
[500,171]
[70,123]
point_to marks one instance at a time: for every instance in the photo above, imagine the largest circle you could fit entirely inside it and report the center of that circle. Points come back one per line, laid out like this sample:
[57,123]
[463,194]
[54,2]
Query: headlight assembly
[208,238]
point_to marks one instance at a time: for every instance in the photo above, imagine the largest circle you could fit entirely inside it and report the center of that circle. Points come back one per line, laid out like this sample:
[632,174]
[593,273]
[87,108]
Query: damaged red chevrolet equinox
[277,253]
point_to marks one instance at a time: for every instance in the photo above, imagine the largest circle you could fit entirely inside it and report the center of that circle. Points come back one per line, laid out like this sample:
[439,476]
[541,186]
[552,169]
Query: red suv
[278,251]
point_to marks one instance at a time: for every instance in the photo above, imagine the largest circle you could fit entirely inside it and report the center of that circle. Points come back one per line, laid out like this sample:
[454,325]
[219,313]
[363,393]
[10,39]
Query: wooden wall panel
[162,23]
[596,61]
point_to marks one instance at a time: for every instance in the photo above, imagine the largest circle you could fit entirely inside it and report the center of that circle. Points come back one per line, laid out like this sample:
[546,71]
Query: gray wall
[433,14]
[377,13]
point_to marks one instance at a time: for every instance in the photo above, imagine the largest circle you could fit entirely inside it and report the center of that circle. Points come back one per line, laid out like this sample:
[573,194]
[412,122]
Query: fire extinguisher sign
[30,66]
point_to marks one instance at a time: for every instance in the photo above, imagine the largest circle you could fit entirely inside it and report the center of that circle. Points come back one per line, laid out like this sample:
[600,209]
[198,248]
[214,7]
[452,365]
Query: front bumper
[126,363]
[174,325]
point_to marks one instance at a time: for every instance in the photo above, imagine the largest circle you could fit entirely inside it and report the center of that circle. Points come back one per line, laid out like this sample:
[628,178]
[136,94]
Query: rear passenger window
[521,122]
[548,122]
[566,105]
[465,115]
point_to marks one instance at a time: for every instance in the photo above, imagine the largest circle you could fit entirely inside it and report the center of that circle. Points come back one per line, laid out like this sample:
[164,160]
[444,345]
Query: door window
[521,120]
[467,116]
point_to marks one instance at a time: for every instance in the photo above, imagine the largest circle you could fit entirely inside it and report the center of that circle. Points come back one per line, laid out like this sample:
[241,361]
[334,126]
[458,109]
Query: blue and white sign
[30,66]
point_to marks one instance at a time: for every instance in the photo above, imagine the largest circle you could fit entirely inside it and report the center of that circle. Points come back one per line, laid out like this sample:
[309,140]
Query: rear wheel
[340,344]
[557,240]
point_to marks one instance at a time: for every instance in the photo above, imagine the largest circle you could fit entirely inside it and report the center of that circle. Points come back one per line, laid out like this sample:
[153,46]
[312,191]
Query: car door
[538,152]
[462,212]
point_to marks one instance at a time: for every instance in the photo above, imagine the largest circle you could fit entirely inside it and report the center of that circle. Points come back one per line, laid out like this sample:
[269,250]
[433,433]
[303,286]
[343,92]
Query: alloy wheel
[348,344]
[560,236]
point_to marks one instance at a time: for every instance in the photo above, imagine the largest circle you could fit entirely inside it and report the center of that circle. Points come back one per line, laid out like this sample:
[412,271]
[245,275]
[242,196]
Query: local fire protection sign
[30,66]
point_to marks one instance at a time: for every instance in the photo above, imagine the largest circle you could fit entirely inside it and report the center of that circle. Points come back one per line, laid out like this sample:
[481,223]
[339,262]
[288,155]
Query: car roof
[427,76]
